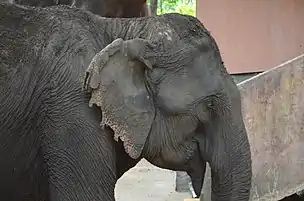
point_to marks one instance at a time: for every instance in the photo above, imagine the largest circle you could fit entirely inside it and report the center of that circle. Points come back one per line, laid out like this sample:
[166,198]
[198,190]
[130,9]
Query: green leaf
[187,7]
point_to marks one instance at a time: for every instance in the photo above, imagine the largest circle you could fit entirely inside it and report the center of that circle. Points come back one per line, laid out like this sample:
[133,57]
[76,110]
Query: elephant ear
[116,80]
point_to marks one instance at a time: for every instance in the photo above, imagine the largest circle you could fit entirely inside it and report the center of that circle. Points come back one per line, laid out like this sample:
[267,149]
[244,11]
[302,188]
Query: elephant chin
[195,168]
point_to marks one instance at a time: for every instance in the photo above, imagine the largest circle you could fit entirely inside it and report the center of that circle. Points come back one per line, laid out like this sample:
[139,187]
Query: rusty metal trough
[273,111]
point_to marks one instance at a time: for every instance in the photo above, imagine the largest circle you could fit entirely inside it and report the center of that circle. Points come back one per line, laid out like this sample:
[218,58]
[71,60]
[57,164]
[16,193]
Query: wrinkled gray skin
[105,8]
[174,104]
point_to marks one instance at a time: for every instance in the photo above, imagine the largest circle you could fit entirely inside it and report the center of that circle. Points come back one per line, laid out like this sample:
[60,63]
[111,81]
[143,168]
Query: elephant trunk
[234,182]
[224,145]
[242,170]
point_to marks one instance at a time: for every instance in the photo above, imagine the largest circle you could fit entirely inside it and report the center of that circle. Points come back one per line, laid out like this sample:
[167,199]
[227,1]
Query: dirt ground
[146,182]
[149,183]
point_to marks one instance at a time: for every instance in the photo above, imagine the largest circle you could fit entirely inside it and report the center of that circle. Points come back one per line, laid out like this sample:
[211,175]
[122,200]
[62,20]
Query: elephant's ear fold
[117,84]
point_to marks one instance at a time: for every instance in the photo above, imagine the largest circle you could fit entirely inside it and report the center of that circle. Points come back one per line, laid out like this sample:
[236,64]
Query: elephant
[104,8]
[157,85]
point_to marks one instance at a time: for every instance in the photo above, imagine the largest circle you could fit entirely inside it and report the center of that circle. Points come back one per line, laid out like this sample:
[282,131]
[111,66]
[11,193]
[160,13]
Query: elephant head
[168,97]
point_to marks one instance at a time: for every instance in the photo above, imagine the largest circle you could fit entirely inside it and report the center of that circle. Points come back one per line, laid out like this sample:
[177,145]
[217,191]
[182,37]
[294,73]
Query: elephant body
[168,99]
[58,155]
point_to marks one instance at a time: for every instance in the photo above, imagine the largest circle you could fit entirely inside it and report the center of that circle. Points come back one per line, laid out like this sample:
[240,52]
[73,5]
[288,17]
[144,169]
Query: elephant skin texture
[104,8]
[159,85]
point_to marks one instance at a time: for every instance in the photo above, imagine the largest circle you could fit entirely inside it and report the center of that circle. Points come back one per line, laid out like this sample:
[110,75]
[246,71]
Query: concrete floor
[146,182]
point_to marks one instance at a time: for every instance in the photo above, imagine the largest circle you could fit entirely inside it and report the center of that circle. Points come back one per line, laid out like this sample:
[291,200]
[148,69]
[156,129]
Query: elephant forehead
[186,87]
[163,32]
[166,33]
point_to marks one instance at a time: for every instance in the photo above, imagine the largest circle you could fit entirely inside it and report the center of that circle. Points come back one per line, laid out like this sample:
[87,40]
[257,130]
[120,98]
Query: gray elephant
[168,99]
[104,8]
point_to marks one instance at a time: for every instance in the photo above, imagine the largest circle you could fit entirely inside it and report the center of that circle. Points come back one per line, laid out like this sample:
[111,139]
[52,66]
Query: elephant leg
[80,158]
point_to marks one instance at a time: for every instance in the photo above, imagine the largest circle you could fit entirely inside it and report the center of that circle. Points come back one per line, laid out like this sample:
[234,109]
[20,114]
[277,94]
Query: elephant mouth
[182,152]
[195,166]
[196,169]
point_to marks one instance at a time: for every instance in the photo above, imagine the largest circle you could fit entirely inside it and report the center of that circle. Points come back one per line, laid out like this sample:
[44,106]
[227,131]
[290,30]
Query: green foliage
[186,9]
[176,6]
